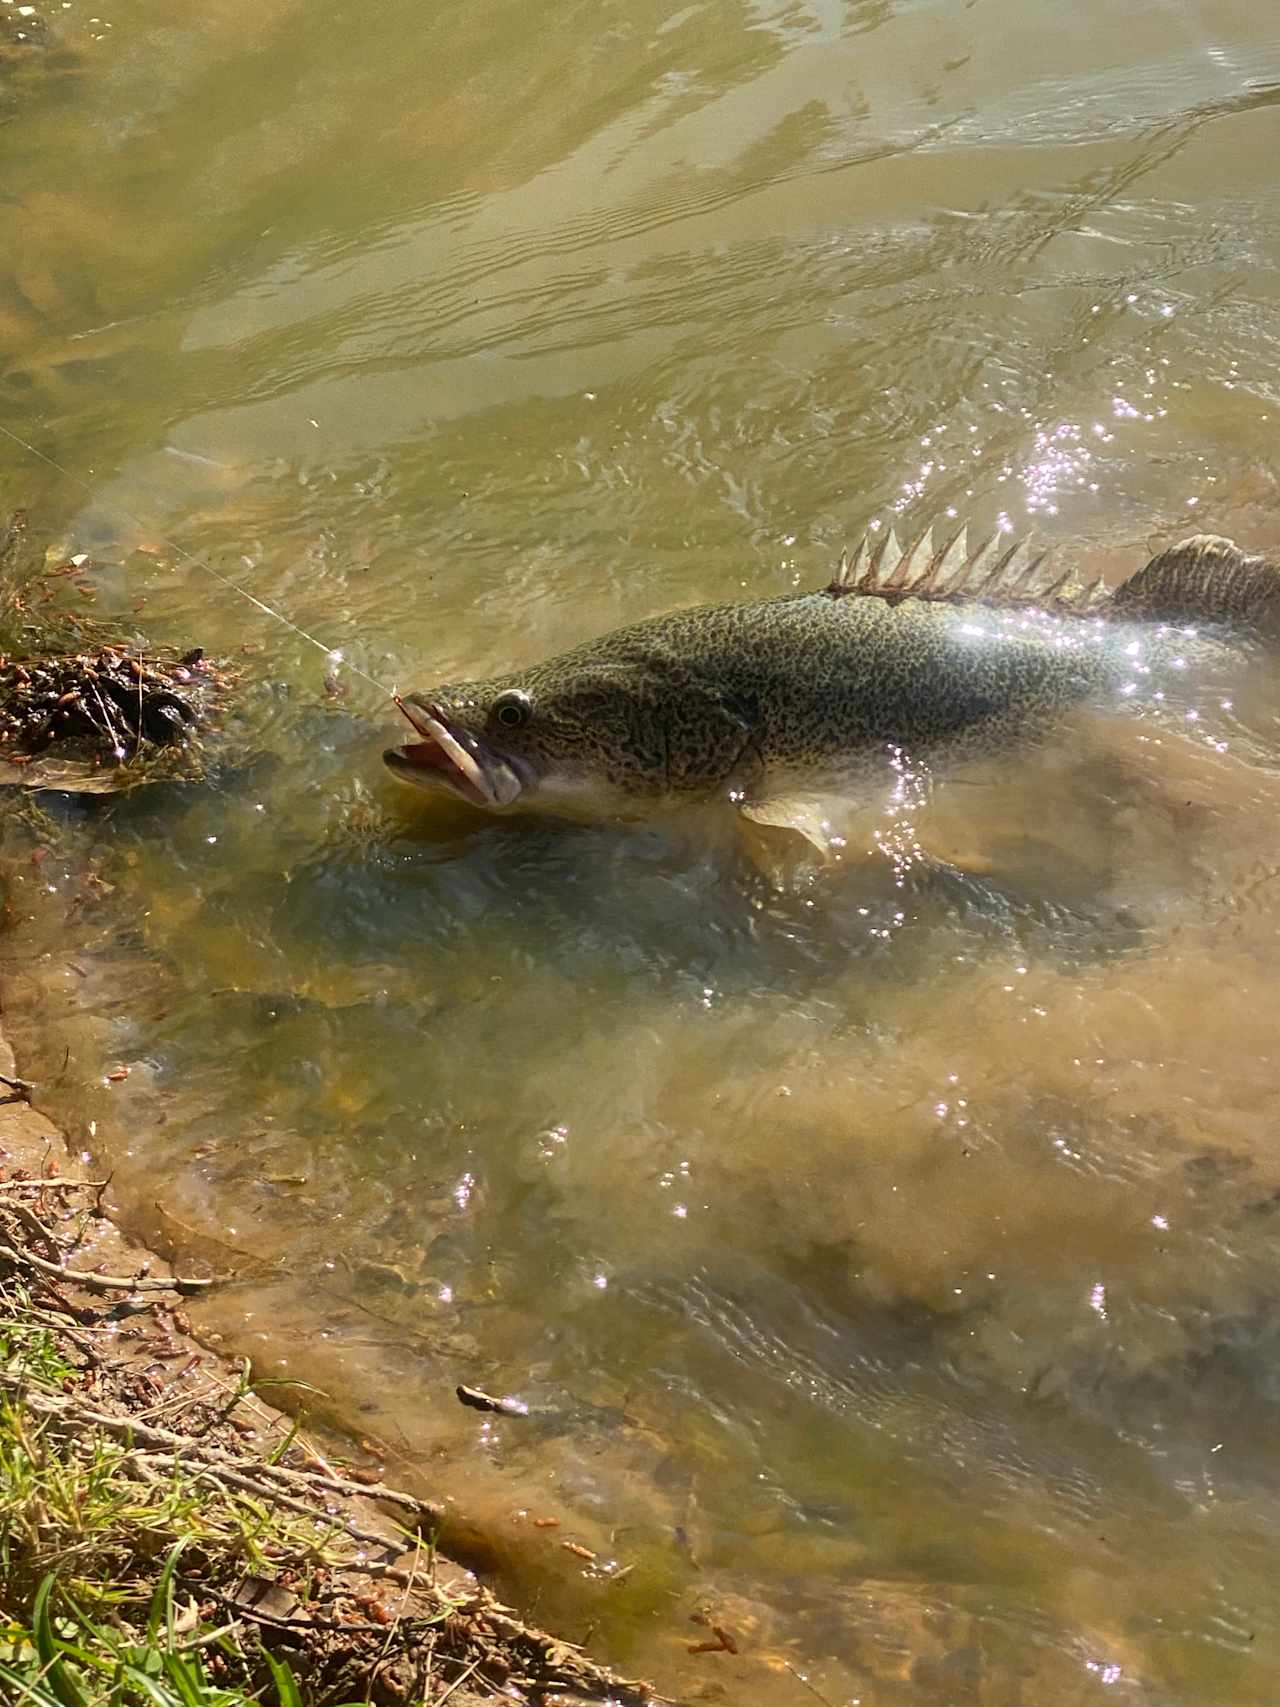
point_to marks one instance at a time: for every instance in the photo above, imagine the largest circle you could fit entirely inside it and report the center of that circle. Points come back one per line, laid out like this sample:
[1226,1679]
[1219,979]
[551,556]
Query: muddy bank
[342,1582]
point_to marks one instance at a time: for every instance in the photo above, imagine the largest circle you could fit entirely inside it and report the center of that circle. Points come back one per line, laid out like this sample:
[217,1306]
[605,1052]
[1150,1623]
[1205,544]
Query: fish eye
[513,709]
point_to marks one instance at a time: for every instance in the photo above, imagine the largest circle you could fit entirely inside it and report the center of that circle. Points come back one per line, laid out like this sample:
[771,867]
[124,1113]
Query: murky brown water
[895,1253]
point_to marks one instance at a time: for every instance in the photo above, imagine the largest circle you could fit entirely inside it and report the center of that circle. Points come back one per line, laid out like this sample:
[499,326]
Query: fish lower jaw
[446,758]
[419,771]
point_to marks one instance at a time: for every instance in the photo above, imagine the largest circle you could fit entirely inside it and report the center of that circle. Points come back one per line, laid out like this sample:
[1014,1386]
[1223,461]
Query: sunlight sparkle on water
[1059,460]
[1105,1671]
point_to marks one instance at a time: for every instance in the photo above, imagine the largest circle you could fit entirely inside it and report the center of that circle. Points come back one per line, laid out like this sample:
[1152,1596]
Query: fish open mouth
[447,756]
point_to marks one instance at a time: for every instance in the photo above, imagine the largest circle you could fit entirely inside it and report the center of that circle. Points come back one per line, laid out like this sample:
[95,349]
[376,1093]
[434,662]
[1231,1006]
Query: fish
[923,651]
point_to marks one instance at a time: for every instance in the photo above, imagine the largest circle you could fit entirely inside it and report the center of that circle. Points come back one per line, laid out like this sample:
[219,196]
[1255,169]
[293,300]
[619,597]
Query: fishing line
[333,653]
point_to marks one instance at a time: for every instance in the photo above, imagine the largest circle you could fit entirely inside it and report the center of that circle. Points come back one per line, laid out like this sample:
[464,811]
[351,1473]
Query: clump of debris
[108,705]
[85,713]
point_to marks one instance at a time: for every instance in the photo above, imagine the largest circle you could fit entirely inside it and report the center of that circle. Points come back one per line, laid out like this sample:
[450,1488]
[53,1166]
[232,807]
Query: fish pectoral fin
[798,815]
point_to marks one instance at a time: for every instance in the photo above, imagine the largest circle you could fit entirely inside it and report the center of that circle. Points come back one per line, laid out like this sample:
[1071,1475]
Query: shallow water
[889,1255]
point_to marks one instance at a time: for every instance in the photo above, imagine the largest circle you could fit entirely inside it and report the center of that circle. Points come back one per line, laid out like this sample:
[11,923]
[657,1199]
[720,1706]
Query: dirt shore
[285,1565]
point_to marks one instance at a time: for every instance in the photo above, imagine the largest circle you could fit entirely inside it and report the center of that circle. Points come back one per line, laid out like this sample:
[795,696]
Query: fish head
[454,753]
[616,730]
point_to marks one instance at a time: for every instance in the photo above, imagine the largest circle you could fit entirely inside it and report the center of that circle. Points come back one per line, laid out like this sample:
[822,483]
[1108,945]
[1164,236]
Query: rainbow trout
[931,654]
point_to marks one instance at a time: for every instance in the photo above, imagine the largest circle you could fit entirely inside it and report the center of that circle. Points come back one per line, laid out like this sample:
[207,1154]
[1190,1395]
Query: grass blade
[161,1611]
[286,1684]
[186,1676]
[49,1648]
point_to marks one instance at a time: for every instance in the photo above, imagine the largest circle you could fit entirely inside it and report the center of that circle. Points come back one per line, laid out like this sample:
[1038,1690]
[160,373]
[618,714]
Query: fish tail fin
[1204,579]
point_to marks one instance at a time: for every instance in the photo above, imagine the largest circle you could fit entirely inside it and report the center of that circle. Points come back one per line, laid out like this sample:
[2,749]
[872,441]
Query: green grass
[99,1626]
[66,1658]
[151,1557]
[91,1540]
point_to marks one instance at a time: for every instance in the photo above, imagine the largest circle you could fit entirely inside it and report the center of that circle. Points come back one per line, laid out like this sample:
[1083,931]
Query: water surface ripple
[889,1258]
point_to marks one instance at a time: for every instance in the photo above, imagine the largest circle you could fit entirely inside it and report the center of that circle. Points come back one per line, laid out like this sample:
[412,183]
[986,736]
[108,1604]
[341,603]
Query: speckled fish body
[763,698]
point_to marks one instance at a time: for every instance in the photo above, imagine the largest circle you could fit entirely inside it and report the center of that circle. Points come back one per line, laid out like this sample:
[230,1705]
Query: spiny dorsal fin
[1018,564]
[997,573]
[917,562]
[849,570]
[980,565]
[1030,577]
[1202,579]
[947,562]
[884,561]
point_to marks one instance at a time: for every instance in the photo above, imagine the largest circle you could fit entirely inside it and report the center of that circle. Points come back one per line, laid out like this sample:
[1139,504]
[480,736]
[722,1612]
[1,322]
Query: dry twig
[106,1282]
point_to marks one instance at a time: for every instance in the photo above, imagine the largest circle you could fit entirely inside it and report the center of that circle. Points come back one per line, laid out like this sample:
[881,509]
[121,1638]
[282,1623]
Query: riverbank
[167,1536]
